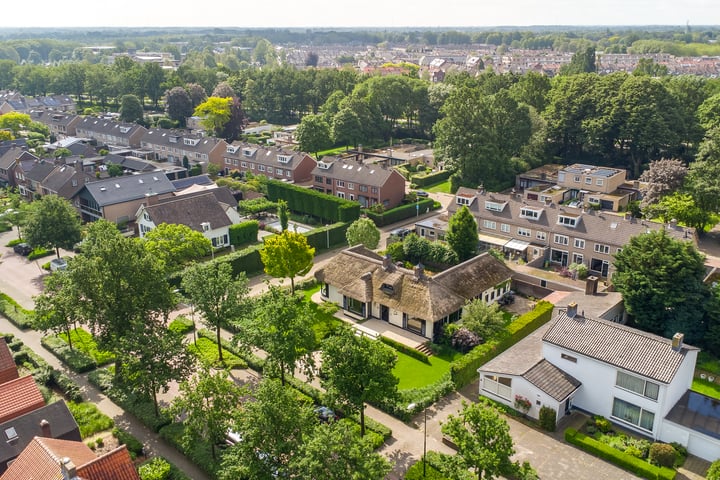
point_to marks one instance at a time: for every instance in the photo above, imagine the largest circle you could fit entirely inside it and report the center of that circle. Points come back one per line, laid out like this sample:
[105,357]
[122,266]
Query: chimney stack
[677,341]
[419,271]
[572,310]
[591,284]
[387,264]
[68,469]
[45,428]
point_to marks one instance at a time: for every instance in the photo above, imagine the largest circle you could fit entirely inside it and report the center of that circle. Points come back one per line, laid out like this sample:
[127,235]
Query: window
[500,386]
[261,168]
[374,190]
[637,385]
[252,166]
[235,162]
[462,200]
[354,306]
[541,235]
[328,181]
[288,173]
[567,357]
[599,182]
[351,186]
[228,161]
[489,224]
[561,239]
[279,171]
[318,179]
[363,188]
[633,414]
[579,243]
[146,217]
[578,258]
[567,221]
[588,180]
[577,178]
[243,164]
[341,194]
[530,213]
[600,248]
[524,232]
[494,206]
[504,227]
[341,183]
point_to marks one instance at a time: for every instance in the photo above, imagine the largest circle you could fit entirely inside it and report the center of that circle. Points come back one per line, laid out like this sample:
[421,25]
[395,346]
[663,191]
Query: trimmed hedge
[78,361]
[245,232]
[13,311]
[464,369]
[134,446]
[246,260]
[402,212]
[623,460]
[175,472]
[182,325]
[39,253]
[318,237]
[409,351]
[430,178]
[312,202]
[197,452]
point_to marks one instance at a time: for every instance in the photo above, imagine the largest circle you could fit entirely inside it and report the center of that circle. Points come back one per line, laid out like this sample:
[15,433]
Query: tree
[223,90]
[661,280]
[19,211]
[703,182]
[582,61]
[363,231]
[176,245]
[197,93]
[237,122]
[15,121]
[179,105]
[215,113]
[313,134]
[484,320]
[131,110]
[346,128]
[352,456]
[462,234]
[682,208]
[282,326]
[483,439]
[272,428]
[647,66]
[56,306]
[208,401]
[53,223]
[357,370]
[287,255]
[663,176]
[152,77]
[220,297]
[283,212]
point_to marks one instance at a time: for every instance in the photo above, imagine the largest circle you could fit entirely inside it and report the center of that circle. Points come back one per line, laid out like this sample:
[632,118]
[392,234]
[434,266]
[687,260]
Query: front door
[384,313]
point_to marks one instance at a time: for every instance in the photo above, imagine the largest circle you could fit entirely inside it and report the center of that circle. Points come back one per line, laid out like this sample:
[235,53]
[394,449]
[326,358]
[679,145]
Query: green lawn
[711,389]
[207,350]
[84,341]
[89,418]
[325,323]
[415,374]
[443,187]
[333,151]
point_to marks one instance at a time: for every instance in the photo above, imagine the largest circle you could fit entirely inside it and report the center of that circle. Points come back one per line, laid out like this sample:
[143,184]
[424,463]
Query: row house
[559,235]
[65,181]
[273,162]
[30,175]
[61,124]
[10,156]
[174,145]
[367,183]
[15,102]
[110,132]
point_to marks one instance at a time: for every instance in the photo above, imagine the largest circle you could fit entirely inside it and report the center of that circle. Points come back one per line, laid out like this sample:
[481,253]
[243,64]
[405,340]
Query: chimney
[481,189]
[419,271]
[387,264]
[45,428]
[151,199]
[636,185]
[68,469]
[591,284]
[572,310]
[677,341]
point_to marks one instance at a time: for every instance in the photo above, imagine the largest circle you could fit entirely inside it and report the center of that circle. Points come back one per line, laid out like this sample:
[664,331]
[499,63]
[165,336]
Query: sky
[364,13]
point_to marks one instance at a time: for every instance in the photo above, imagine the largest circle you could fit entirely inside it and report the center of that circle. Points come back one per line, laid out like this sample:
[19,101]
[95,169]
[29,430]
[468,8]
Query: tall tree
[152,78]
[237,122]
[15,121]
[53,223]
[176,245]
[313,134]
[215,113]
[582,61]
[661,280]
[363,231]
[56,306]
[220,297]
[197,93]
[358,370]
[131,110]
[484,320]
[287,255]
[663,177]
[462,234]
[283,212]
[179,105]
[346,128]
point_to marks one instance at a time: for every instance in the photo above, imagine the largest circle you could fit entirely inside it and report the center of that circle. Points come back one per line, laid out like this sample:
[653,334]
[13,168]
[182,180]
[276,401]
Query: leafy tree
[582,61]
[484,320]
[272,427]
[179,105]
[282,326]
[358,370]
[131,110]
[208,400]
[223,90]
[176,245]
[703,183]
[363,231]
[483,439]
[683,208]
[352,456]
[15,121]
[661,280]
[56,306]
[237,122]
[215,113]
[19,211]
[462,234]
[663,176]
[220,297]
[152,77]
[313,134]
[53,223]
[647,66]
[197,93]
[283,212]
[346,127]
[287,255]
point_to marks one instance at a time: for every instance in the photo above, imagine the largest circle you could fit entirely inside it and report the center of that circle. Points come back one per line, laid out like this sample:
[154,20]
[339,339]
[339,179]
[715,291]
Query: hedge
[623,460]
[79,362]
[245,232]
[431,178]
[313,202]
[13,311]
[197,452]
[175,472]
[402,212]
[182,325]
[318,237]
[40,252]
[134,446]
[464,369]
[409,351]
[246,260]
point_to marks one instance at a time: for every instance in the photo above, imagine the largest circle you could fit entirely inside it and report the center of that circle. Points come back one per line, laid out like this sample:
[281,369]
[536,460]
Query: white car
[58,264]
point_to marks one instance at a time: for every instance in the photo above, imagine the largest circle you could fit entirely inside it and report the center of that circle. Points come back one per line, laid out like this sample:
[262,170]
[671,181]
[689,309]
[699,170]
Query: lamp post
[412,407]
[327,234]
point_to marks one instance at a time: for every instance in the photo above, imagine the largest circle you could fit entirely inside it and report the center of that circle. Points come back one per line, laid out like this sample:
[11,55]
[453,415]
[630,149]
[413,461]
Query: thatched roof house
[368,285]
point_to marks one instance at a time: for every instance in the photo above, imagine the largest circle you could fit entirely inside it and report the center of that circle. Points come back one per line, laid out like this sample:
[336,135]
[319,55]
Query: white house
[635,379]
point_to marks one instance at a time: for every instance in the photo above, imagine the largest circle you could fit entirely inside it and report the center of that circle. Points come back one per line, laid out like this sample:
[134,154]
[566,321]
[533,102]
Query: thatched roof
[361,274]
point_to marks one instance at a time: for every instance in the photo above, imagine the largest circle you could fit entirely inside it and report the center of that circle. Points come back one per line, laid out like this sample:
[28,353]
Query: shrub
[464,340]
[400,347]
[89,418]
[198,452]
[83,341]
[602,424]
[713,472]
[182,325]
[99,441]
[425,179]
[314,203]
[415,472]
[156,469]
[207,351]
[134,446]
[14,312]
[662,454]
[402,212]
[547,418]
[39,253]
[78,361]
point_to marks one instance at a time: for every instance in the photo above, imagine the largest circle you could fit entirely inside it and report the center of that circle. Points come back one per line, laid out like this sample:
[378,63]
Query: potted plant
[522,404]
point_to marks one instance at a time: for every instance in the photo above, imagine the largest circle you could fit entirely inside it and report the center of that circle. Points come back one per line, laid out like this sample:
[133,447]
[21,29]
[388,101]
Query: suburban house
[210,212]
[638,380]
[10,156]
[29,175]
[111,133]
[11,101]
[117,199]
[55,459]
[367,285]
[434,228]
[367,183]
[61,124]
[561,235]
[542,176]
[64,181]
[174,145]
[273,162]
[50,421]
[8,369]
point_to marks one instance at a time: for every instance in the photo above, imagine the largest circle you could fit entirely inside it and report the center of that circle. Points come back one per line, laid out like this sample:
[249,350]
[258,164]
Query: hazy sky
[364,13]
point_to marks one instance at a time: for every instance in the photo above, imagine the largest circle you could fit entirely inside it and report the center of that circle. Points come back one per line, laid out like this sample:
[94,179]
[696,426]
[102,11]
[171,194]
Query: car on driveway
[400,232]
[22,249]
[422,193]
[58,264]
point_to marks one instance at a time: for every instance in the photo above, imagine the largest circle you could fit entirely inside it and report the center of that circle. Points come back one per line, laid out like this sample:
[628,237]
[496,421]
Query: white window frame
[489,224]
[600,248]
[524,232]
[561,239]
[540,235]
[579,243]
[505,228]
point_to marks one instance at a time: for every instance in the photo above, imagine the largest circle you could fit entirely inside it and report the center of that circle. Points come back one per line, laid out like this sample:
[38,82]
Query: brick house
[273,162]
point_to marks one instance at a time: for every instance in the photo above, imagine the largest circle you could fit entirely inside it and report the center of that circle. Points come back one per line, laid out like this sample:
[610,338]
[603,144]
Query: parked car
[507,298]
[325,414]
[400,232]
[22,249]
[58,264]
[422,193]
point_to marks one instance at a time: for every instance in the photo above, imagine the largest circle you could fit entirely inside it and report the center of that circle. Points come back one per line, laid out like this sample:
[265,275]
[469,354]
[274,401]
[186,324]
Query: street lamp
[411,407]
[327,234]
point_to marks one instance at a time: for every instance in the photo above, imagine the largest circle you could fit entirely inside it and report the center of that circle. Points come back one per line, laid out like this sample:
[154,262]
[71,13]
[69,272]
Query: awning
[491,240]
[517,245]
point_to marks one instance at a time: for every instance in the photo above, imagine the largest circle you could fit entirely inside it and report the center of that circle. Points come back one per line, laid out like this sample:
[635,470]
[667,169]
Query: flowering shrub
[522,403]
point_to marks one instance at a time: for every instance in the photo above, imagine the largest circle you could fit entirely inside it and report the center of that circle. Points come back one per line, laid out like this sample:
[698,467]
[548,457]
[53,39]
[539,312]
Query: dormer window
[387,289]
[284,158]
[173,139]
[494,206]
[463,200]
[530,213]
[567,220]
[124,129]
[191,141]
[231,149]
[247,152]
[323,165]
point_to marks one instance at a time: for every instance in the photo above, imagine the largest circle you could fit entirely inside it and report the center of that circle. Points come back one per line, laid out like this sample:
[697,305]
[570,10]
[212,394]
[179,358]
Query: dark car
[22,249]
[400,232]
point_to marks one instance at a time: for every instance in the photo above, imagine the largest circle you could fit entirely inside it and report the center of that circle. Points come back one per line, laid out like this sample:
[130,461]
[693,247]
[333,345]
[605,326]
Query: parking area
[20,278]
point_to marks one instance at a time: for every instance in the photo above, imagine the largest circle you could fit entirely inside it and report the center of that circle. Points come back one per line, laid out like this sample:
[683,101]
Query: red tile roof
[115,465]
[41,459]
[19,397]
[8,370]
